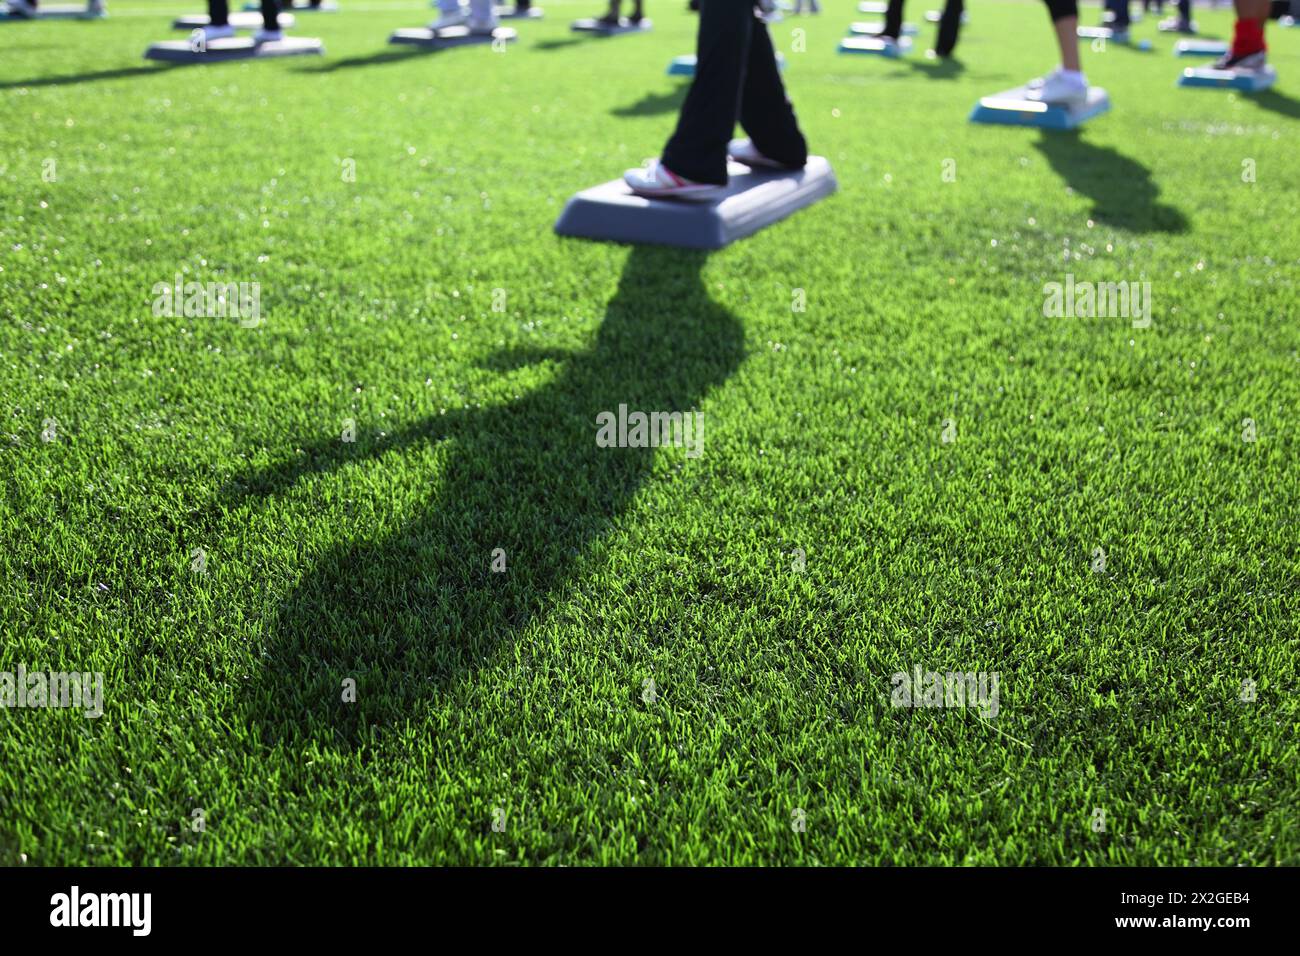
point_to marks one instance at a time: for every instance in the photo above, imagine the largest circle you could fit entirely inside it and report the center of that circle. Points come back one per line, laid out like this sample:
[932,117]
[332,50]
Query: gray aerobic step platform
[753,200]
[233,48]
[596,28]
[449,37]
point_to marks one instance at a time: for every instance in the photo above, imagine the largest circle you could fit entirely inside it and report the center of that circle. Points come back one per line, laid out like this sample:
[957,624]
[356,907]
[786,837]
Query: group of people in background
[478,16]
[737,81]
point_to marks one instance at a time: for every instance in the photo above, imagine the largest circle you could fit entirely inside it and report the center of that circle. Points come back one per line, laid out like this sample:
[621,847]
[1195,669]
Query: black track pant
[1060,9]
[735,79]
[219,14]
[949,24]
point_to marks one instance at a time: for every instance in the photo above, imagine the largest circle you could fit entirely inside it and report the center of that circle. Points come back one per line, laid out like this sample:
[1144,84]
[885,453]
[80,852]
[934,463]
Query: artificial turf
[685,657]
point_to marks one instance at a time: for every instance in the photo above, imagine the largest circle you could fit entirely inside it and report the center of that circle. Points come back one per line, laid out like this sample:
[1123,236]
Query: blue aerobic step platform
[753,200]
[1014,108]
[870,28]
[1200,48]
[870,46]
[1247,81]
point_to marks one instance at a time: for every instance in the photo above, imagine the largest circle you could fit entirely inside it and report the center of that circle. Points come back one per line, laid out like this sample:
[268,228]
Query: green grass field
[180,512]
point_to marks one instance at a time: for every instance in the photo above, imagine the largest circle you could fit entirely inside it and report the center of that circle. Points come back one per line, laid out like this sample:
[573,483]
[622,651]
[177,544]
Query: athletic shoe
[1119,36]
[656,181]
[96,8]
[1246,63]
[1178,25]
[445,20]
[483,27]
[1057,87]
[268,36]
[743,151]
[21,8]
[212,32]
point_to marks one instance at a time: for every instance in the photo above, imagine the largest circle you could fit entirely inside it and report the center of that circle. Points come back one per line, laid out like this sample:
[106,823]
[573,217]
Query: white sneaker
[657,181]
[268,36]
[483,27]
[1059,87]
[744,151]
[445,20]
[212,32]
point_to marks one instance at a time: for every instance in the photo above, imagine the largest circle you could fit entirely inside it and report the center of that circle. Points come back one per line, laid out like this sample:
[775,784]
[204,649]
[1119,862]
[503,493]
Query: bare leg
[1067,37]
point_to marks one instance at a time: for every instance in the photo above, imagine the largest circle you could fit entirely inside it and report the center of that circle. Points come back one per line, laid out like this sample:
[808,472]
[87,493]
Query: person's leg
[450,14]
[612,16]
[1183,21]
[893,20]
[949,27]
[1066,84]
[1065,18]
[1121,20]
[697,149]
[638,13]
[218,13]
[1248,33]
[270,16]
[766,113]
[482,16]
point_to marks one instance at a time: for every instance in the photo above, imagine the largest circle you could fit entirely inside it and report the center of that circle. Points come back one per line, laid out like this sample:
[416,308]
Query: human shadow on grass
[408,610]
[1276,102]
[72,78]
[943,68]
[393,55]
[1121,189]
[654,104]
[558,44]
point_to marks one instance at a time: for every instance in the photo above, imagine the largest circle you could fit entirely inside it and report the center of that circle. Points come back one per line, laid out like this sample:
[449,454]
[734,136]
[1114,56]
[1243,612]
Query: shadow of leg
[1121,188]
[415,608]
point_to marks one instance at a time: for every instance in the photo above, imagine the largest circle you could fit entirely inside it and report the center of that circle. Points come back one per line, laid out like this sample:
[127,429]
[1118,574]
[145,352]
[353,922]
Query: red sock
[1248,37]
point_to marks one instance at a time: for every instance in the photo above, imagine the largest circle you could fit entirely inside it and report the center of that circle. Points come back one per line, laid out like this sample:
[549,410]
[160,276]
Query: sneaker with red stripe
[656,181]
